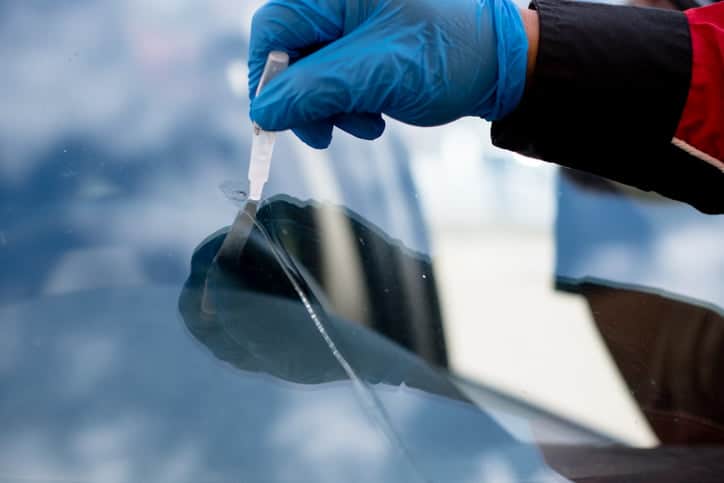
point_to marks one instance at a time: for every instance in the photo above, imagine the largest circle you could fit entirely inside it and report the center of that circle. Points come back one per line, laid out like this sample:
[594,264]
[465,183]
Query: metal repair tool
[262,147]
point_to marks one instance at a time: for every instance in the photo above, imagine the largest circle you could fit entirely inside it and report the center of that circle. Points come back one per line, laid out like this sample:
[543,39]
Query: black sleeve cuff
[609,87]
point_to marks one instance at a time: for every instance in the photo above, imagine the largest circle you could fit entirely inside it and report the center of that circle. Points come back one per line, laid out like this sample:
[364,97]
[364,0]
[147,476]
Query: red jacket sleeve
[701,128]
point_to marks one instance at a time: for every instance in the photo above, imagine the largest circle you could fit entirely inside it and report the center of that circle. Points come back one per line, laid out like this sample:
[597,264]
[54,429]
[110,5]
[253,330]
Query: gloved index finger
[291,26]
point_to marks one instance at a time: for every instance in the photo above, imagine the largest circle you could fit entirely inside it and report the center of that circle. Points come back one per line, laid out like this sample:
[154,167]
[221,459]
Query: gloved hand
[423,62]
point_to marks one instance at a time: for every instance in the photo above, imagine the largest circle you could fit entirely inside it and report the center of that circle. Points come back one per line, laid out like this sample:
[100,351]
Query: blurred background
[121,119]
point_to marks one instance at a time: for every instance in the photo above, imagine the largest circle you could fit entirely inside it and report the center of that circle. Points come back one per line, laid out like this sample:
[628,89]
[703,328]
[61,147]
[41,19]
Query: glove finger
[338,79]
[363,125]
[315,134]
[293,26]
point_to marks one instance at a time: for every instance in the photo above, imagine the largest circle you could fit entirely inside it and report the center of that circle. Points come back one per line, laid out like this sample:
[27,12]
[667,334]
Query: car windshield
[424,307]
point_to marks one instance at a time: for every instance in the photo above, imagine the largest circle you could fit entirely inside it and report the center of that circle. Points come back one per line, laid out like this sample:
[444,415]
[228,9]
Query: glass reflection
[246,312]
[634,279]
[119,121]
[251,306]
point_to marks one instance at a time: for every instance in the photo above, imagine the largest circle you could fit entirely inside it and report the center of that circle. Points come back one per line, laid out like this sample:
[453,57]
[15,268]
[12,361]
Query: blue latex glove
[423,62]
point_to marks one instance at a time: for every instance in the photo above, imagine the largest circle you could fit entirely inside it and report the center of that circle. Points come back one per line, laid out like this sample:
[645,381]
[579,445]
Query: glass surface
[424,307]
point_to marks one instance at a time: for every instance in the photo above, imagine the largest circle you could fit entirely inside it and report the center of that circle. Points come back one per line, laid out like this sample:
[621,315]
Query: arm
[612,91]
[603,87]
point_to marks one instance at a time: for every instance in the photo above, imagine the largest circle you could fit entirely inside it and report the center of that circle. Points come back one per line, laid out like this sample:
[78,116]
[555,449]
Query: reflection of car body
[112,144]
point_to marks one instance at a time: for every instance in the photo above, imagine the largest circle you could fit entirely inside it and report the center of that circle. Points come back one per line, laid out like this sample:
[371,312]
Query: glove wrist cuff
[512,52]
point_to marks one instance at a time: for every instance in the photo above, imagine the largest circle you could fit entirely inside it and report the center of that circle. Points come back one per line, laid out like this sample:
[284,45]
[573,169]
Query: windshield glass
[424,307]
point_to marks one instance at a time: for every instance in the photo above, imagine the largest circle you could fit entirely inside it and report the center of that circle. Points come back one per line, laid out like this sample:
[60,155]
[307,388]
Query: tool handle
[276,62]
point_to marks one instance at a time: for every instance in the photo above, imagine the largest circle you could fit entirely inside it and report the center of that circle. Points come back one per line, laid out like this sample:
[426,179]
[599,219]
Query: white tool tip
[255,190]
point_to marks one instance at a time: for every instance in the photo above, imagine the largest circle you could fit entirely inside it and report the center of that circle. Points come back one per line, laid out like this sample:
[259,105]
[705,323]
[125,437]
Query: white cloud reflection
[108,61]
[344,444]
